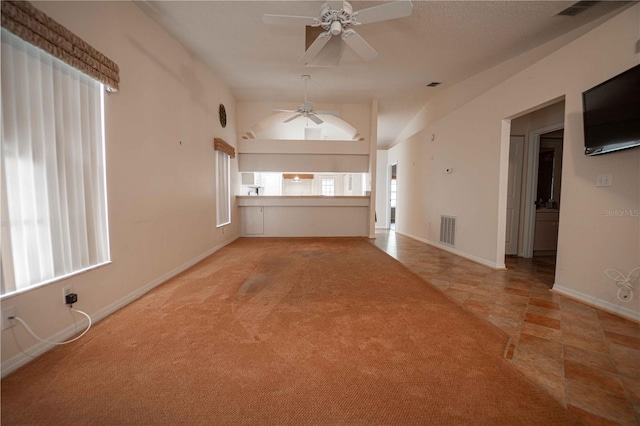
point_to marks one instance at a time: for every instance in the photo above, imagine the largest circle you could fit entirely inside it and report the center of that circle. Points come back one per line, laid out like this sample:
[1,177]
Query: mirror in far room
[549,170]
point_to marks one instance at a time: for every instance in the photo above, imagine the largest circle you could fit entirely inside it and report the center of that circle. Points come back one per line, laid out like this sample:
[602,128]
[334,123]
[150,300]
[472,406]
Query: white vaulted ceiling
[444,41]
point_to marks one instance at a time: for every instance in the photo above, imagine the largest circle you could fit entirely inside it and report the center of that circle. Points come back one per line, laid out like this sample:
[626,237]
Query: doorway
[541,131]
[535,181]
[548,184]
[543,185]
[393,195]
[514,191]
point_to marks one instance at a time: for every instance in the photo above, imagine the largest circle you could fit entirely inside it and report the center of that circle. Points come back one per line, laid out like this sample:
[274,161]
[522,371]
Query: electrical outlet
[66,290]
[7,312]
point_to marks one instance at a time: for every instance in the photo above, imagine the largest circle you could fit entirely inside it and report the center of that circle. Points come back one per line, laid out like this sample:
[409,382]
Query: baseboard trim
[475,259]
[597,303]
[23,358]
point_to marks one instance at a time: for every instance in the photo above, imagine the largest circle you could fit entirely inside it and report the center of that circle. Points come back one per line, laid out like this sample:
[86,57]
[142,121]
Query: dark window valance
[221,145]
[35,27]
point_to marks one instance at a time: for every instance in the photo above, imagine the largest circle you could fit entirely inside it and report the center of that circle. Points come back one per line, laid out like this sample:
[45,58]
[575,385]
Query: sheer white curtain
[223,189]
[54,211]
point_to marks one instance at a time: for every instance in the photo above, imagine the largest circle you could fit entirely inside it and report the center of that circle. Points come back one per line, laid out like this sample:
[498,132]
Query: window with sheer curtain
[54,208]
[223,189]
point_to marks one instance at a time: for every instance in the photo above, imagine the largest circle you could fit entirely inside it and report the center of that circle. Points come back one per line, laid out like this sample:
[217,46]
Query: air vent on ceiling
[434,84]
[578,7]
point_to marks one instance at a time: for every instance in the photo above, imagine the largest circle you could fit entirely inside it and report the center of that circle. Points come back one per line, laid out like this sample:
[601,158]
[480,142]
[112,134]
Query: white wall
[300,163]
[261,155]
[161,193]
[473,140]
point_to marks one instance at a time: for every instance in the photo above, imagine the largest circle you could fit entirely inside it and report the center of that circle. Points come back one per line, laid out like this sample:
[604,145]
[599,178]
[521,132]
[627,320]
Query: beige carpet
[284,332]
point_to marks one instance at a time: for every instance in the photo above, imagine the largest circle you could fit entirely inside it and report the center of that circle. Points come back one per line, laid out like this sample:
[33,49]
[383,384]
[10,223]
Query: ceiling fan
[336,19]
[306,109]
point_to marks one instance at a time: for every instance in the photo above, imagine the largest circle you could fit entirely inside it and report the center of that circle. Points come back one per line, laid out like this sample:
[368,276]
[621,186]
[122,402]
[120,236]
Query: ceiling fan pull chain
[306,78]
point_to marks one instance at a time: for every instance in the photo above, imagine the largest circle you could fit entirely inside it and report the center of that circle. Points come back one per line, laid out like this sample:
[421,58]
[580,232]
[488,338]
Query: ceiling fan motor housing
[305,108]
[335,21]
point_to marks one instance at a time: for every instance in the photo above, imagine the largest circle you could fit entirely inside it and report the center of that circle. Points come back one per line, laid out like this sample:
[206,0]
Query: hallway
[587,359]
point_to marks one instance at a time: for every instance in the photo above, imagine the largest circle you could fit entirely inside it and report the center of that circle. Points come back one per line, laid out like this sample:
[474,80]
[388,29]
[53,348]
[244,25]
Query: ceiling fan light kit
[336,19]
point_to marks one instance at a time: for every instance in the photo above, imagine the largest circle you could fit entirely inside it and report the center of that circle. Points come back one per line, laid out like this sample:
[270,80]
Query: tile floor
[587,359]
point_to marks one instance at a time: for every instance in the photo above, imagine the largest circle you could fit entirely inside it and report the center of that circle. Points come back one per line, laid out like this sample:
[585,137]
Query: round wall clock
[223,116]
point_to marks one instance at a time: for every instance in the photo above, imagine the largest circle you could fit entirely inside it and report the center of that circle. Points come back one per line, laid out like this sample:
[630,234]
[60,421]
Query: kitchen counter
[304,216]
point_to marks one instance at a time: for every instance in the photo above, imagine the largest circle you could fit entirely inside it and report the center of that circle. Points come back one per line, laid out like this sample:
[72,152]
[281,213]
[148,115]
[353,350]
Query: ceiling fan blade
[315,119]
[334,113]
[284,110]
[292,118]
[290,20]
[359,45]
[315,47]
[384,12]
[330,56]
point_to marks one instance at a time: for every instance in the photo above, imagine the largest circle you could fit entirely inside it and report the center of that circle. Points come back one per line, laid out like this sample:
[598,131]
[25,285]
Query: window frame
[97,225]
[221,199]
[333,186]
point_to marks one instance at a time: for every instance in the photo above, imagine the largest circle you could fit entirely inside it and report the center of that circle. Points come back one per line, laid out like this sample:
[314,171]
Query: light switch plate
[603,180]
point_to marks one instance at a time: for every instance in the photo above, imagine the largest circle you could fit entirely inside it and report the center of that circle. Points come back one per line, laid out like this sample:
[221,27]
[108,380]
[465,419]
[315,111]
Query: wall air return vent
[578,8]
[448,230]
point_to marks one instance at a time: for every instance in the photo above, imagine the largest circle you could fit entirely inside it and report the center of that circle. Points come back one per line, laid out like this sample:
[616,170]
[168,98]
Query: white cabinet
[253,220]
[304,216]
[546,233]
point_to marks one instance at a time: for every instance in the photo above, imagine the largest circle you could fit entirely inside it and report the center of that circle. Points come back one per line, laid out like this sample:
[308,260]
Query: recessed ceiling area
[442,41]
[302,128]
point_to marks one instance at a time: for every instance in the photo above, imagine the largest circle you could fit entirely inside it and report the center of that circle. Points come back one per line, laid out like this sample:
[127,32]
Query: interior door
[514,189]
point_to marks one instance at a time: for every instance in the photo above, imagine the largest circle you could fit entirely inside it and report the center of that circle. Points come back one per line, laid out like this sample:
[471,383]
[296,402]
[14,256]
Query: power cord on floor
[21,321]
[625,288]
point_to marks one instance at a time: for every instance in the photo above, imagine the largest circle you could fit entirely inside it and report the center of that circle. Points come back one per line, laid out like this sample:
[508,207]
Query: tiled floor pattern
[587,359]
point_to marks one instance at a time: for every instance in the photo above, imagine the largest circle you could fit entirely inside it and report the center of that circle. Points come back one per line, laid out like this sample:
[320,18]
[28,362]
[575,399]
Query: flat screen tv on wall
[611,113]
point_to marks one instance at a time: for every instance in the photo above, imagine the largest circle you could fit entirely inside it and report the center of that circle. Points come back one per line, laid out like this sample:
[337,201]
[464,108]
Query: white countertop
[303,200]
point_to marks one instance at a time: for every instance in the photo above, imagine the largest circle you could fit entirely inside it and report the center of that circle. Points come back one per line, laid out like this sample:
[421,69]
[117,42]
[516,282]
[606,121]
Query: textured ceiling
[445,41]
